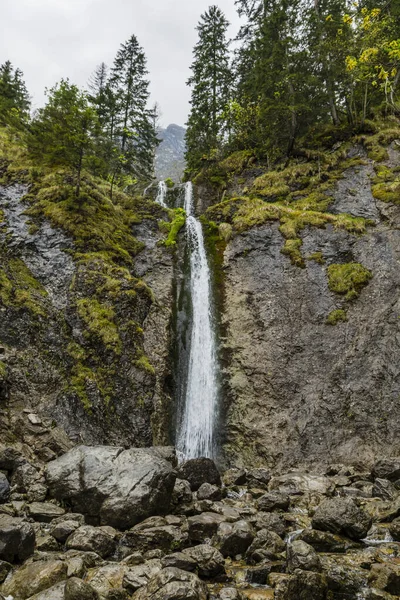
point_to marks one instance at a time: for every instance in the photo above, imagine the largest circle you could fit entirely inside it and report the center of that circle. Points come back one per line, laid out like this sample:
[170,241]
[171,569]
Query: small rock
[173,584]
[234,477]
[4,489]
[44,512]
[324,541]
[234,539]
[139,576]
[92,539]
[198,471]
[342,515]
[258,478]
[76,589]
[273,501]
[207,491]
[302,585]
[182,492]
[270,521]
[266,545]
[34,419]
[302,556]
[62,530]
[203,526]
[230,594]
[384,489]
[179,560]
[210,562]
[5,568]
[385,577]
[394,529]
[17,539]
[387,468]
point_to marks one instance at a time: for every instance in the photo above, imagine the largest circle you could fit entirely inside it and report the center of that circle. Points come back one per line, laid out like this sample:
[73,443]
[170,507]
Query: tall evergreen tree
[133,128]
[210,82]
[14,97]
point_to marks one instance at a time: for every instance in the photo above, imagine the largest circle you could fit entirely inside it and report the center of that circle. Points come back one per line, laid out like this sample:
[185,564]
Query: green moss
[82,377]
[173,228]
[20,289]
[144,364]
[348,279]
[387,192]
[169,183]
[225,231]
[292,248]
[99,321]
[3,371]
[76,351]
[317,257]
[336,316]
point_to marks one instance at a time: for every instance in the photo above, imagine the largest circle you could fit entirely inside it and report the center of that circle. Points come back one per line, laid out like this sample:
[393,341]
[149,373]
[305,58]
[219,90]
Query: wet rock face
[121,397]
[119,487]
[299,391]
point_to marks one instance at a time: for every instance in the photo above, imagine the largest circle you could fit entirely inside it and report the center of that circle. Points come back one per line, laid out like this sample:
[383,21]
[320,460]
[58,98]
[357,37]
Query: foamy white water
[196,436]
[162,194]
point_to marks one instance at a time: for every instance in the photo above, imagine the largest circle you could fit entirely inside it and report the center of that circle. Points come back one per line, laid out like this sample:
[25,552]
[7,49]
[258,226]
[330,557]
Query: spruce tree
[210,82]
[132,130]
[14,97]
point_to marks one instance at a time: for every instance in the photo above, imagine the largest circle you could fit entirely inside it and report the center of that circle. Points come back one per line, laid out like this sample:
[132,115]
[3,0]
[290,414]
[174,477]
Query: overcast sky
[51,39]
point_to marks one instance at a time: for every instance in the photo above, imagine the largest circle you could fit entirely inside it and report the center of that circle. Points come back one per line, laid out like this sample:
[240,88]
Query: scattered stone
[204,526]
[164,537]
[233,477]
[273,501]
[387,468]
[198,471]
[139,576]
[270,521]
[210,562]
[46,543]
[302,585]
[182,492]
[302,483]
[384,489]
[302,556]
[234,539]
[122,487]
[63,529]
[4,489]
[394,529]
[56,592]
[10,458]
[44,512]
[342,515]
[258,478]
[17,539]
[76,589]
[207,491]
[230,594]
[5,568]
[179,560]
[33,578]
[106,578]
[92,539]
[266,545]
[324,541]
[173,584]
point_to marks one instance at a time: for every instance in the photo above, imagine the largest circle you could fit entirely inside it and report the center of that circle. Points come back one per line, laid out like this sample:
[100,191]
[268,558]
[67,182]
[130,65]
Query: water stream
[196,427]
[162,194]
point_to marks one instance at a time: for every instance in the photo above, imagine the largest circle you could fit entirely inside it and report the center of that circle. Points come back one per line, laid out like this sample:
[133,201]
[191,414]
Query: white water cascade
[196,435]
[162,194]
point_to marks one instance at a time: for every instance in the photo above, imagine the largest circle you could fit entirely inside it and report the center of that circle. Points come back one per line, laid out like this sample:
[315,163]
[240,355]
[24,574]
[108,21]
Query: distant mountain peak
[170,154]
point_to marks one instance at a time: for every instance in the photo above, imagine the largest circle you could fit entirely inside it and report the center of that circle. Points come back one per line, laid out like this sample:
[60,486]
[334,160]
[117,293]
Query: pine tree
[210,82]
[61,133]
[133,129]
[14,97]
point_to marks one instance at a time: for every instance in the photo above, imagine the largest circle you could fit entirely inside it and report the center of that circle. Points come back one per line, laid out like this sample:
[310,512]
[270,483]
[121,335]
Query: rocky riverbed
[106,523]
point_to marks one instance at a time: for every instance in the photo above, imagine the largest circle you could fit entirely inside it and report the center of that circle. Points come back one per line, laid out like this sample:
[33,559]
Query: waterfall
[196,436]
[162,194]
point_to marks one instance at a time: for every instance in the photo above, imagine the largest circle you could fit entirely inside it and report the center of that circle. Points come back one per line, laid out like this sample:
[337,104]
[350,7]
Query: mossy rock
[317,257]
[348,279]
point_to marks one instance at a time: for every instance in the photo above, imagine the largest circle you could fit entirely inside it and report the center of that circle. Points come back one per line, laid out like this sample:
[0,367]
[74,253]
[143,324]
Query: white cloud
[51,39]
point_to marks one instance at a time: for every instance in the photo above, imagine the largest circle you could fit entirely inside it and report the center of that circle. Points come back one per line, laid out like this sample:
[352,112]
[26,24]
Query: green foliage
[292,248]
[100,322]
[14,97]
[336,316]
[143,364]
[19,289]
[173,228]
[169,183]
[210,82]
[348,279]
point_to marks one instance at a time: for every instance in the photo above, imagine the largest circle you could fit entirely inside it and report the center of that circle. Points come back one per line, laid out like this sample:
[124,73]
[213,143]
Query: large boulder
[17,539]
[121,487]
[235,538]
[198,471]
[342,515]
[210,562]
[33,578]
[267,545]
[204,526]
[76,589]
[140,575]
[173,584]
[302,585]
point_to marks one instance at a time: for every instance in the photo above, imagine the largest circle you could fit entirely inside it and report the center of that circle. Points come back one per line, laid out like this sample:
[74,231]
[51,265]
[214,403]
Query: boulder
[342,515]
[394,529]
[387,468]
[122,487]
[61,530]
[55,592]
[179,560]
[17,539]
[273,501]
[302,556]
[234,477]
[302,483]
[173,584]
[198,471]
[270,521]
[384,489]
[76,589]
[266,545]
[230,594]
[34,578]
[44,512]
[5,568]
[204,526]
[182,492]
[324,541]
[155,533]
[235,538]
[207,491]
[210,562]
[302,585]
[4,489]
[258,478]
[92,539]
[10,458]
[106,578]
[140,575]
